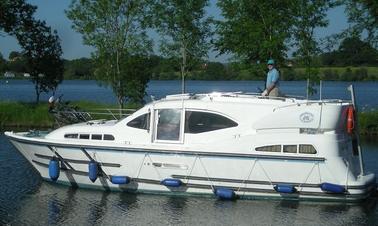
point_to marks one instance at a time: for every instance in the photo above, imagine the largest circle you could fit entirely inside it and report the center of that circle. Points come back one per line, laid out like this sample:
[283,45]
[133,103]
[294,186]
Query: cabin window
[96,136]
[307,149]
[270,148]
[141,122]
[84,136]
[289,149]
[200,122]
[108,137]
[71,135]
[169,124]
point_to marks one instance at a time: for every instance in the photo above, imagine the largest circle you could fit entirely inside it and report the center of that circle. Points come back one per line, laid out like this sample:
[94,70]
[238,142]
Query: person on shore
[272,81]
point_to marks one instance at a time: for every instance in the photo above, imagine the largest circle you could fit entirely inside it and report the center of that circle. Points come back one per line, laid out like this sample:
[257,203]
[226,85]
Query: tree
[42,51]
[15,15]
[309,15]
[352,52]
[117,30]
[254,30]
[41,47]
[363,15]
[185,30]
[3,64]
[82,68]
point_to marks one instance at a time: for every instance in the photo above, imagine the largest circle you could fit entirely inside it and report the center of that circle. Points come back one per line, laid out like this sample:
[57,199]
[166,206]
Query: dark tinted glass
[141,122]
[169,124]
[84,136]
[71,135]
[270,148]
[307,149]
[96,136]
[199,122]
[108,137]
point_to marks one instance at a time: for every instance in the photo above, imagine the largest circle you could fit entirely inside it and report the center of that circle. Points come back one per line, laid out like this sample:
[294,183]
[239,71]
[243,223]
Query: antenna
[308,87]
[320,90]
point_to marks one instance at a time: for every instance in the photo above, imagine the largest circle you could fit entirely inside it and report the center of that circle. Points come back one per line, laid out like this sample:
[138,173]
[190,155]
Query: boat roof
[240,97]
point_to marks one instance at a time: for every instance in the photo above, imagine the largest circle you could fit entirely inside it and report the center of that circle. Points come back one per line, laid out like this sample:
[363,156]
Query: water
[23,90]
[26,200]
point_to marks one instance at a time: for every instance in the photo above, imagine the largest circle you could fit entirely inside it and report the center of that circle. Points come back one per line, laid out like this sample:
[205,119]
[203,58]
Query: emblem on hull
[306,117]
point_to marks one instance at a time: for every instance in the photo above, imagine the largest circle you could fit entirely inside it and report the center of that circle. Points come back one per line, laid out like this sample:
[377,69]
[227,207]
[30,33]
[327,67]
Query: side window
[199,122]
[307,149]
[290,148]
[84,136]
[270,148]
[141,122]
[71,135]
[96,137]
[108,137]
[169,124]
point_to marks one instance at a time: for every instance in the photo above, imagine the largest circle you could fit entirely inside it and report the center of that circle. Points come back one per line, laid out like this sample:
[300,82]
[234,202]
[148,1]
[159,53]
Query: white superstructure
[223,143]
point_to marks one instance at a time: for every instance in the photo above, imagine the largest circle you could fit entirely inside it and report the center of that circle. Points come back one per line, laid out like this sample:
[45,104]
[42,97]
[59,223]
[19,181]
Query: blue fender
[171,182]
[120,179]
[332,188]
[54,169]
[285,188]
[93,170]
[225,193]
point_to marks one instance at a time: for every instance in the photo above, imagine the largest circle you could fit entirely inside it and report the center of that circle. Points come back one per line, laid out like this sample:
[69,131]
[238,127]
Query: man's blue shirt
[272,77]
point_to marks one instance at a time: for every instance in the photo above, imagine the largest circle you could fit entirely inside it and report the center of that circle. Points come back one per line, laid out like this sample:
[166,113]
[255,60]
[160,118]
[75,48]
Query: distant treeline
[354,60]
[83,69]
[165,69]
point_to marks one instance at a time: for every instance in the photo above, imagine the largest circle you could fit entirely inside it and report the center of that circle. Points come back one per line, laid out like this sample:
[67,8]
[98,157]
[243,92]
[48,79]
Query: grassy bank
[368,123]
[31,116]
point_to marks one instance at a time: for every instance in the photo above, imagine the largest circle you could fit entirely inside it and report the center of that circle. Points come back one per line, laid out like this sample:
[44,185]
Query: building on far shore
[9,74]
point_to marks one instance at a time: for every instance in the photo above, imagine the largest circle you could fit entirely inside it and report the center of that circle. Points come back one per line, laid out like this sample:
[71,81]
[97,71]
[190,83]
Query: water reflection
[173,209]
[56,205]
[97,209]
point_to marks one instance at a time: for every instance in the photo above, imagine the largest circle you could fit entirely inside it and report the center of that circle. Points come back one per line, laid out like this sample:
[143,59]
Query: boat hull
[247,175]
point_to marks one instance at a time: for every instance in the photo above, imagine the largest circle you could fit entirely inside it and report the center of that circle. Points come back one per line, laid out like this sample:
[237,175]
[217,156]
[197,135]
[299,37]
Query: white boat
[225,144]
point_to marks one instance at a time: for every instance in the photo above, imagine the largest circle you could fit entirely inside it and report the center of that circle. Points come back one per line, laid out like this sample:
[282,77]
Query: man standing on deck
[272,81]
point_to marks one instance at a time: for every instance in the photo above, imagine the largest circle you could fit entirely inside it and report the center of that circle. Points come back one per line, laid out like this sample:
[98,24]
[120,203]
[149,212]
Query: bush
[330,75]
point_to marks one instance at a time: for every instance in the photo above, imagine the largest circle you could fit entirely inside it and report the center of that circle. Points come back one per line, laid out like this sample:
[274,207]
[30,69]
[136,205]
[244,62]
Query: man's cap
[270,61]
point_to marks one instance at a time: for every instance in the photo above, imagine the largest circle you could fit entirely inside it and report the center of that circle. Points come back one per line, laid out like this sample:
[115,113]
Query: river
[23,90]
[26,200]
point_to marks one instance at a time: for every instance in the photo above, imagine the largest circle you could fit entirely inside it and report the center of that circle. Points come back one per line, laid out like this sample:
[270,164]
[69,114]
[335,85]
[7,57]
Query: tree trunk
[37,92]
[120,105]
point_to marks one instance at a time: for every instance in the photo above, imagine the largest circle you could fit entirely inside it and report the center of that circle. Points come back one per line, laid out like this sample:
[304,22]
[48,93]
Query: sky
[52,11]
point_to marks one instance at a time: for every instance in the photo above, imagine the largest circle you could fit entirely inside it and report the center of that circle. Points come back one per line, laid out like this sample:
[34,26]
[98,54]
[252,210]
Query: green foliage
[82,68]
[41,47]
[42,52]
[24,114]
[363,16]
[117,31]
[31,115]
[368,122]
[3,64]
[254,30]
[352,52]
[17,62]
[15,15]
[185,30]
[309,15]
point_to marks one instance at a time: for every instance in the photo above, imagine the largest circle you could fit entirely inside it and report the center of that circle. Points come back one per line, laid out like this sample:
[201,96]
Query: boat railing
[311,102]
[71,115]
[246,95]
